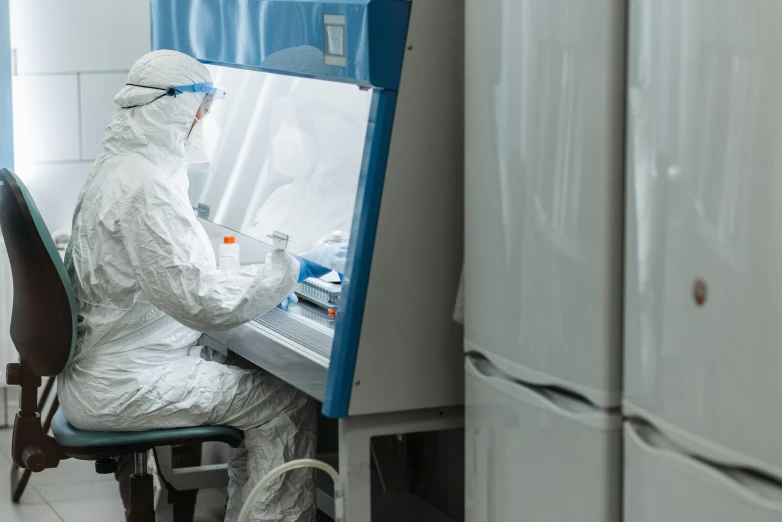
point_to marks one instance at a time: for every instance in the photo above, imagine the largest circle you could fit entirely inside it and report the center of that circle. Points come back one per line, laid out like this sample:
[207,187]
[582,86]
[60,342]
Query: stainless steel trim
[298,365]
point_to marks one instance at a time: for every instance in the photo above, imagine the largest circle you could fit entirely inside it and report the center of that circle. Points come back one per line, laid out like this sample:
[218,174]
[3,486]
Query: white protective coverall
[146,282]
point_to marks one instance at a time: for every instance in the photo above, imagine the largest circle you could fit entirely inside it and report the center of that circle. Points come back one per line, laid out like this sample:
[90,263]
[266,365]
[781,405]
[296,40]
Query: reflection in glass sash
[288,158]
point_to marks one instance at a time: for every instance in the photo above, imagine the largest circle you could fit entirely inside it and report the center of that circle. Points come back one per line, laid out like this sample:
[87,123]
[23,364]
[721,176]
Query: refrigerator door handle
[754,489]
[553,401]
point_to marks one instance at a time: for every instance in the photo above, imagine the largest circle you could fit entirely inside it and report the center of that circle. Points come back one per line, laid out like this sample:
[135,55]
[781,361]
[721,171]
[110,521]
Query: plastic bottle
[336,237]
[229,254]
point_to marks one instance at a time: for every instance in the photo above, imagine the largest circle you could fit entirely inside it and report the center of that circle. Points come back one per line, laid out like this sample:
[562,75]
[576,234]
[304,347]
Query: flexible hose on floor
[339,506]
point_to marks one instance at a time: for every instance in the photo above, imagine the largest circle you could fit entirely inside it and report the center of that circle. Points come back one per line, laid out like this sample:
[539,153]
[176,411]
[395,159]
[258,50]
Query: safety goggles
[208,88]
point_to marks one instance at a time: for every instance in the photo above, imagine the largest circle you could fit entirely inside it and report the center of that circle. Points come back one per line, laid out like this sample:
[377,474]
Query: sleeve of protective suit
[175,266]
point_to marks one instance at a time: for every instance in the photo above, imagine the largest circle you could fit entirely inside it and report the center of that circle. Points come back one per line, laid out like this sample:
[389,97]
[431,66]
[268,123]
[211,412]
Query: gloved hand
[331,256]
[309,269]
[291,299]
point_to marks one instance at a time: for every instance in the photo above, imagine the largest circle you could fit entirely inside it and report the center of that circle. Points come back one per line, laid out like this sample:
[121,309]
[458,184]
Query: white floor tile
[5,442]
[12,394]
[91,509]
[30,495]
[27,513]
[85,490]
[211,505]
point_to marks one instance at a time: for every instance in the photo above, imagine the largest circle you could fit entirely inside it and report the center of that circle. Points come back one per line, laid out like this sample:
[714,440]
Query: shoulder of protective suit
[128,178]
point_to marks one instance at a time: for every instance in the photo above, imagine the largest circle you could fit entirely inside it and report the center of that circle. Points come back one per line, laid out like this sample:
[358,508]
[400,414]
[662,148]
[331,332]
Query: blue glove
[309,269]
[291,299]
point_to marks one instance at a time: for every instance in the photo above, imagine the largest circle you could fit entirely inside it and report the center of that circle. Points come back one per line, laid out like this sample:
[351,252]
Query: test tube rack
[321,293]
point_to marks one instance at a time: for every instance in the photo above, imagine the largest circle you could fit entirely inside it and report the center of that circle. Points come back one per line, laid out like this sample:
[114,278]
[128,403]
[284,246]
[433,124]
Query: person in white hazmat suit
[146,283]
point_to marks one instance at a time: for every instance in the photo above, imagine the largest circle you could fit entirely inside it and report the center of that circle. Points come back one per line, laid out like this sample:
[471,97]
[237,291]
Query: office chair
[43,330]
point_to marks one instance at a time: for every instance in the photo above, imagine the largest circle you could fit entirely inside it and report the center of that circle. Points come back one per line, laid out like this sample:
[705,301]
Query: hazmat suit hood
[145,118]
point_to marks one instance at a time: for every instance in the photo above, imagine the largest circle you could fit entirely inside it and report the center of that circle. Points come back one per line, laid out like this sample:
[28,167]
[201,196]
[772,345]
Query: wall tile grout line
[59,162]
[69,73]
[80,123]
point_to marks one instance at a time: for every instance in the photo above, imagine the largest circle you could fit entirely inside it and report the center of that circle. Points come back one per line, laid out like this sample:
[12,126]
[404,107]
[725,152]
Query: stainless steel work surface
[285,343]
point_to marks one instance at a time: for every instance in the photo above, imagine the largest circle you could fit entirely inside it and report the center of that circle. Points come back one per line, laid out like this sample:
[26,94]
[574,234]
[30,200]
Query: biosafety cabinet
[343,121]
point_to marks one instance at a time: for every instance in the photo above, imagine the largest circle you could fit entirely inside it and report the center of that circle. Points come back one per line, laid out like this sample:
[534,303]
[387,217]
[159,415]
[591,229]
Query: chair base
[19,479]
[20,476]
[185,501]
[142,499]
[182,507]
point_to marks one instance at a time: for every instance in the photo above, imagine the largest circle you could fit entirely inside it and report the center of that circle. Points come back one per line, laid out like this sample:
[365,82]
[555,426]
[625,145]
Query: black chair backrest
[43,321]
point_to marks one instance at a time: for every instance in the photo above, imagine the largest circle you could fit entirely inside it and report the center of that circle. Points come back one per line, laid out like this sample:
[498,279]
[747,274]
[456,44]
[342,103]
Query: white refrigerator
[703,297]
[545,84]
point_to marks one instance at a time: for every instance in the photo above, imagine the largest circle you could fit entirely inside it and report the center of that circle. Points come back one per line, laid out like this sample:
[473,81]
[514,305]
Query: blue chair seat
[95,444]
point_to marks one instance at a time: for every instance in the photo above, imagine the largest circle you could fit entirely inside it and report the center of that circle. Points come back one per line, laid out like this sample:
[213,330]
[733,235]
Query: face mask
[200,146]
[293,153]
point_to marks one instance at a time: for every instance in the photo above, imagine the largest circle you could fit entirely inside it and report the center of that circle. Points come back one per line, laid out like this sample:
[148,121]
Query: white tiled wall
[71,58]
[46,118]
[55,36]
[97,107]
[55,188]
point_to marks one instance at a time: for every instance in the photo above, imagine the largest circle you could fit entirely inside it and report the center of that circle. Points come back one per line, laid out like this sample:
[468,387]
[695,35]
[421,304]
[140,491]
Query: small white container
[336,237]
[229,254]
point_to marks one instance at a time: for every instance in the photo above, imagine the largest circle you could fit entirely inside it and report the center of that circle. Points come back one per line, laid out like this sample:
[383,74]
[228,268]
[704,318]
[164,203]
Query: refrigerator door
[534,456]
[544,147]
[703,316]
[665,485]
